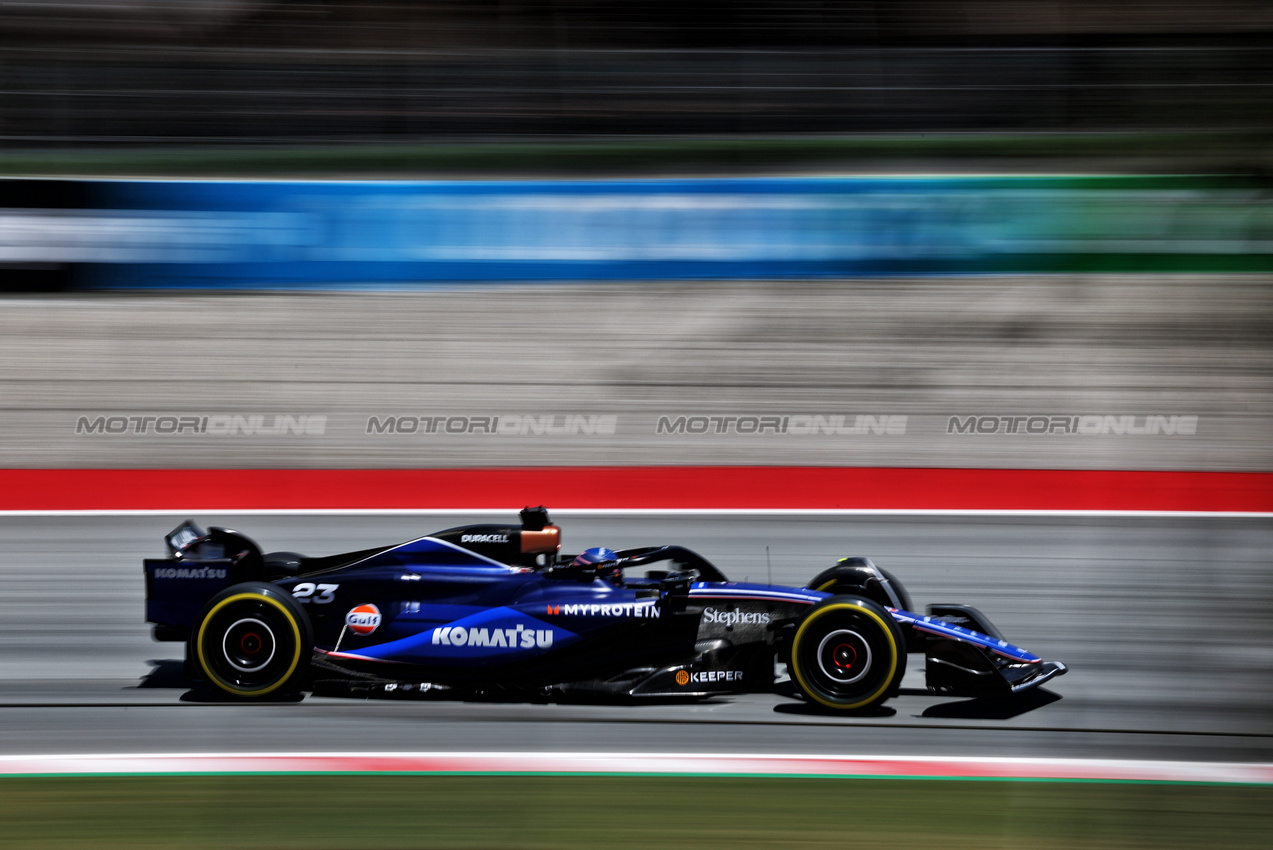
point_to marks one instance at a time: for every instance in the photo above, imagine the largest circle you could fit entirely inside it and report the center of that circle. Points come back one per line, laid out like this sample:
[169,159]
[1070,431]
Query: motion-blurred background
[101,72]
[1032,235]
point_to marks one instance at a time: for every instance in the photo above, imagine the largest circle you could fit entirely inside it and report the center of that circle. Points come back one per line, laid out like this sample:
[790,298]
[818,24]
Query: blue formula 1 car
[490,609]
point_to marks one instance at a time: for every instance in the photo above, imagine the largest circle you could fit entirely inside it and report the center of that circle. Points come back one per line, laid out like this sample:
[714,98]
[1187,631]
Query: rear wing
[201,565]
[177,591]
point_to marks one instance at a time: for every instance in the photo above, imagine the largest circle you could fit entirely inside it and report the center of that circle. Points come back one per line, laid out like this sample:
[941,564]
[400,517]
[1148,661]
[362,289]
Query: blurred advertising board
[272,234]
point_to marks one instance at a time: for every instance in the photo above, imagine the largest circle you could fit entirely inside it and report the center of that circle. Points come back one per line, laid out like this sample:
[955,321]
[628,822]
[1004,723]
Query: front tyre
[848,654]
[253,640]
[860,577]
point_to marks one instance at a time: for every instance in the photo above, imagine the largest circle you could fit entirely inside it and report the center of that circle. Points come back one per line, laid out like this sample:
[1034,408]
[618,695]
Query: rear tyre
[848,654]
[253,641]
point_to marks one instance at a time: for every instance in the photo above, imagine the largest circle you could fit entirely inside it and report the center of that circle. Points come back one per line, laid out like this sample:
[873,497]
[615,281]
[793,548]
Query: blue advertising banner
[280,234]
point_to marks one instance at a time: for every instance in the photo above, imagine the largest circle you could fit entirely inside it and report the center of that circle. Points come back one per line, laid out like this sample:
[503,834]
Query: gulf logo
[363,620]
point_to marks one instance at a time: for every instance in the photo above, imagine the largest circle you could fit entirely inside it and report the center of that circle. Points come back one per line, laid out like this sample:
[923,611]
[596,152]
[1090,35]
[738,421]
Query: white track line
[1098,770]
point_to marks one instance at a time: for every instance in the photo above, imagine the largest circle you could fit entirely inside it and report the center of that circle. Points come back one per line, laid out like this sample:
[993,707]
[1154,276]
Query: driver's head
[592,557]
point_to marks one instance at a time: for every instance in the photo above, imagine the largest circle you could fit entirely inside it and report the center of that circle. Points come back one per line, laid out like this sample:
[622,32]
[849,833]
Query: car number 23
[306,590]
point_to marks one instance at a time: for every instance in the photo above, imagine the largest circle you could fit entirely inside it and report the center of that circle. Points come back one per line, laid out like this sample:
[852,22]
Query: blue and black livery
[498,609]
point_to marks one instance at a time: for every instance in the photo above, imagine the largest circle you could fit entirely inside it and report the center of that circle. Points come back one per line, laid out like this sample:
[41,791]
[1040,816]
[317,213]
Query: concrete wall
[1077,350]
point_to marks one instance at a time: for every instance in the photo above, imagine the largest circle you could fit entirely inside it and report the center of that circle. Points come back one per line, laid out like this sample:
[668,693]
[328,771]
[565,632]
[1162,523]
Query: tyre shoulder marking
[256,597]
[795,663]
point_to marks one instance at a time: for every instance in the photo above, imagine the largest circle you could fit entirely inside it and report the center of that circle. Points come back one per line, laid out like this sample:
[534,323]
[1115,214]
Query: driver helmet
[592,557]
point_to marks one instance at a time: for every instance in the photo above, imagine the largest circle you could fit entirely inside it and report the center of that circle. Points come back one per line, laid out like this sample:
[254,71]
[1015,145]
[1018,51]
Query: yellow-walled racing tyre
[848,653]
[253,641]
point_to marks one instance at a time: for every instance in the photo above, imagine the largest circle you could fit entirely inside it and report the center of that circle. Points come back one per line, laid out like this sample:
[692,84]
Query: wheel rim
[249,645]
[844,656]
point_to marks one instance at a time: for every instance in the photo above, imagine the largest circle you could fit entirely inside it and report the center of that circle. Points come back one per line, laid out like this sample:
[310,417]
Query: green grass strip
[534,811]
[1210,152]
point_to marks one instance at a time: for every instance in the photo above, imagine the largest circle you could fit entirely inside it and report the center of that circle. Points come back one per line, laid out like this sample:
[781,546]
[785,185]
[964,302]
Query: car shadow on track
[807,709]
[170,674]
[978,708]
[802,707]
[165,673]
[992,708]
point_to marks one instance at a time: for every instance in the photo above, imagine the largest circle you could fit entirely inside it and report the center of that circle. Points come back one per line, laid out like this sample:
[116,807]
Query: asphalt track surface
[1165,623]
